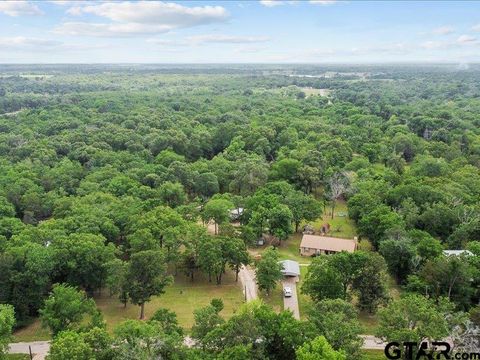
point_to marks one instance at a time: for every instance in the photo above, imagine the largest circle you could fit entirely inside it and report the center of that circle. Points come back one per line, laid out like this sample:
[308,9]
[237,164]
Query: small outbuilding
[457,252]
[290,268]
[235,214]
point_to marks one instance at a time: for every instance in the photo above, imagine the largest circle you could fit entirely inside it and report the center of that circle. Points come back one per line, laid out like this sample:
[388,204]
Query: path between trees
[247,278]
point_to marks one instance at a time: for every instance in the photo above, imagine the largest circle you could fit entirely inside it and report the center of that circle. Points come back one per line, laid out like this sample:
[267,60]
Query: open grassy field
[374,354]
[17,357]
[275,299]
[32,332]
[289,249]
[303,300]
[341,225]
[182,297]
[309,91]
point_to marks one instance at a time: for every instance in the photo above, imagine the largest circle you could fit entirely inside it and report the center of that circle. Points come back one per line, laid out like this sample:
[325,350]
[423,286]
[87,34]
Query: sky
[315,31]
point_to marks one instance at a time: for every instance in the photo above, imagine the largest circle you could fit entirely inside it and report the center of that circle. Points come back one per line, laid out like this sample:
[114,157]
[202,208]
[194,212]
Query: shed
[290,268]
[457,252]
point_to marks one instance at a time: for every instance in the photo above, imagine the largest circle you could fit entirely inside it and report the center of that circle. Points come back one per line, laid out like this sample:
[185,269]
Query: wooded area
[109,173]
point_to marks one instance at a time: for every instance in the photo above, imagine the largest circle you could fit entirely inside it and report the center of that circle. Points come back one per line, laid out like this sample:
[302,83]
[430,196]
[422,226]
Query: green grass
[290,249]
[369,322]
[303,299]
[17,357]
[374,354]
[340,226]
[31,332]
[182,297]
[275,299]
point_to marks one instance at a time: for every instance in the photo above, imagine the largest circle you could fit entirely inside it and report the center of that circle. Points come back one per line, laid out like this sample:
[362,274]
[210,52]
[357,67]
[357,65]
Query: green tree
[323,281]
[399,255]
[303,208]
[146,277]
[172,194]
[337,320]
[210,258]
[94,344]
[7,321]
[450,277]
[235,254]
[116,279]
[80,260]
[167,320]
[217,210]
[206,319]
[135,339]
[268,271]
[70,345]
[318,349]
[69,309]
[413,318]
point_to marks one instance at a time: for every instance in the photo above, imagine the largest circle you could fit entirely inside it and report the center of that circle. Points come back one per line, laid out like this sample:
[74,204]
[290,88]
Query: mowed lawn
[341,225]
[371,354]
[33,332]
[182,297]
[17,357]
[275,299]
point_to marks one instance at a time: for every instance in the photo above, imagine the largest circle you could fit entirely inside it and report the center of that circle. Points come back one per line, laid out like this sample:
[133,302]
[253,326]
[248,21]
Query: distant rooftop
[328,243]
[290,268]
[457,252]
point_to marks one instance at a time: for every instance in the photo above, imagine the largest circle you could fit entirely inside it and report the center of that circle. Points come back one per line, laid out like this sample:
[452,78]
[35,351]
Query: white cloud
[226,39]
[249,49]
[107,30]
[430,45]
[24,43]
[19,8]
[155,12]
[273,3]
[322,2]
[136,18]
[476,27]
[443,30]
[466,39]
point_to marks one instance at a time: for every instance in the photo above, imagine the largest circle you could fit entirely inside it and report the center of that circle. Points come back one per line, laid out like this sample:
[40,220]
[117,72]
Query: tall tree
[414,318]
[69,309]
[217,210]
[7,321]
[318,349]
[268,271]
[338,185]
[146,277]
[337,320]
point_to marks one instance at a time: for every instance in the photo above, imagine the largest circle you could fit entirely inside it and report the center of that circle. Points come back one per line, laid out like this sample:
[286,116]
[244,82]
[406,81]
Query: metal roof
[290,268]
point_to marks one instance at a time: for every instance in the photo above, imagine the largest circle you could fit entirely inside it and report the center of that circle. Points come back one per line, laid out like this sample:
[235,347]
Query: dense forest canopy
[105,166]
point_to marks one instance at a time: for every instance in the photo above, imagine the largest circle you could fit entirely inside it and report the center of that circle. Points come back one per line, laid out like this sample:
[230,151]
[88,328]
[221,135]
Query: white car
[287,291]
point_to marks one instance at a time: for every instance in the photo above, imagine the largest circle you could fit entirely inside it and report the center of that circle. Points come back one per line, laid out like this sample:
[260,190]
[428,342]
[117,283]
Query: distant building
[316,245]
[290,268]
[236,213]
[457,252]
